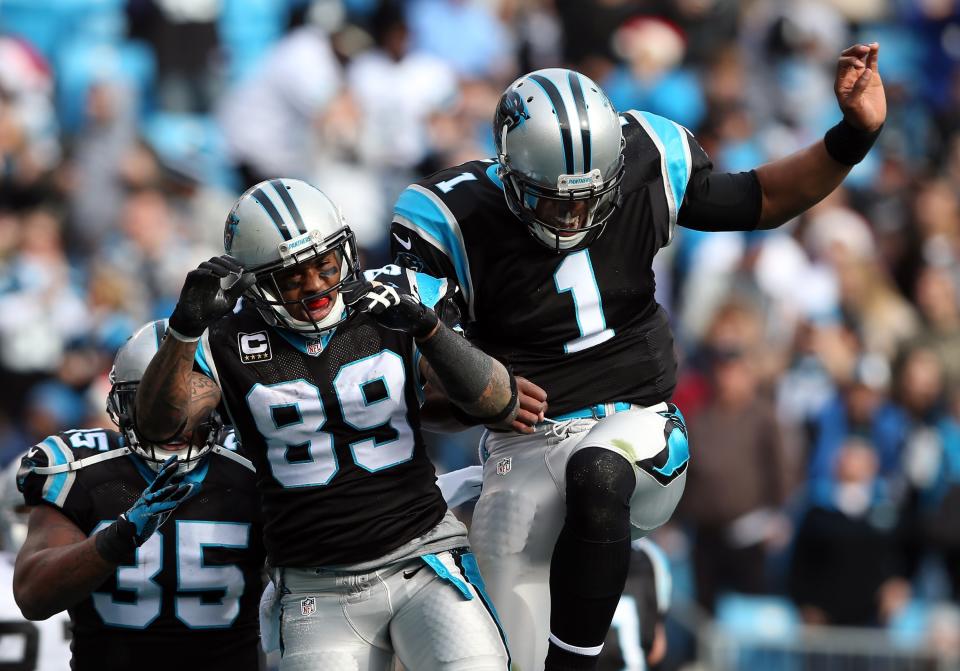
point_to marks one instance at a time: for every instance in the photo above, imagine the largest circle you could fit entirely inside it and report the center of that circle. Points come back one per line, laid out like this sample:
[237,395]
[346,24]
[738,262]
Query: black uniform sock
[592,555]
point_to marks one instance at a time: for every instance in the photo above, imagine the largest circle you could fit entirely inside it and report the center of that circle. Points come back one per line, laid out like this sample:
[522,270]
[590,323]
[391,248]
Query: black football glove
[203,300]
[117,542]
[392,308]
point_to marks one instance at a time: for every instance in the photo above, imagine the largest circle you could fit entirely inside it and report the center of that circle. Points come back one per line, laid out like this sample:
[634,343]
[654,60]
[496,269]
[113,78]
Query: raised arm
[794,183]
[774,193]
[170,392]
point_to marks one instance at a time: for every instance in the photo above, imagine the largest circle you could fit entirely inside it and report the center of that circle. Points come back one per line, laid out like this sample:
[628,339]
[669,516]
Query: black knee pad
[600,484]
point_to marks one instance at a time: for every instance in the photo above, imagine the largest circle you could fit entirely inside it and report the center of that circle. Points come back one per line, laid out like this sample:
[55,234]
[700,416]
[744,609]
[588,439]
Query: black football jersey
[583,325]
[190,599]
[332,425]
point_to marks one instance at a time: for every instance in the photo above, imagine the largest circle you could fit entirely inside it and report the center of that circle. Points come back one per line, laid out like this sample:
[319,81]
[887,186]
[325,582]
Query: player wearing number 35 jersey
[552,245]
[321,372]
[157,562]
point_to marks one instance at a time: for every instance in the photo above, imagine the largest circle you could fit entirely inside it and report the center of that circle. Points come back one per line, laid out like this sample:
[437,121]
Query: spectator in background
[935,296]
[466,34]
[96,188]
[860,408]
[735,489]
[931,449]
[650,79]
[269,119]
[395,91]
[153,249]
[847,566]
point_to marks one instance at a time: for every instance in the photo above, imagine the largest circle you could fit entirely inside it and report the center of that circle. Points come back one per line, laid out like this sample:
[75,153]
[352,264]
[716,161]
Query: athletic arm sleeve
[717,201]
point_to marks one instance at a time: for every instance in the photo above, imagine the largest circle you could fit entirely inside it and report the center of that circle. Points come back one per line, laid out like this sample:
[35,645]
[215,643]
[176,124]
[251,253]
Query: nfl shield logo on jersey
[314,347]
[504,465]
[308,606]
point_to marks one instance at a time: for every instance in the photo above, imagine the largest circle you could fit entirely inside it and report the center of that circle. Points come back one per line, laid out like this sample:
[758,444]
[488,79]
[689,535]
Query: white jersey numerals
[575,274]
[290,415]
[93,439]
[193,577]
[448,185]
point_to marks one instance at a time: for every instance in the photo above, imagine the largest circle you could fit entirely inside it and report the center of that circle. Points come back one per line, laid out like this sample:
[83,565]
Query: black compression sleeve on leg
[592,555]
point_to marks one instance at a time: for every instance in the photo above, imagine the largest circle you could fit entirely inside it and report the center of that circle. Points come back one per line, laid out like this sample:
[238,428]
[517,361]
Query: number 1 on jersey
[575,274]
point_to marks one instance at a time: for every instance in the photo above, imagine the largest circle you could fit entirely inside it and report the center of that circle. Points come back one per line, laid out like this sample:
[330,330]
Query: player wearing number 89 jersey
[188,593]
[321,371]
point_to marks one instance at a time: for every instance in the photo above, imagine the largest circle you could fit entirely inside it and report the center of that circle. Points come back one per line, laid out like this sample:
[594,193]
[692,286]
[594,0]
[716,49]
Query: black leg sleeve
[592,556]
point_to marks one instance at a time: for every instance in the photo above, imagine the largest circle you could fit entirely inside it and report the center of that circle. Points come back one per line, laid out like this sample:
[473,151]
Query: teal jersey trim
[57,481]
[676,154]
[494,177]
[423,214]
[429,288]
[201,359]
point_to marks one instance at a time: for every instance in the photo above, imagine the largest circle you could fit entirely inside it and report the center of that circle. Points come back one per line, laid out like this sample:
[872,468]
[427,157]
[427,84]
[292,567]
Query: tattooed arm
[172,397]
[58,565]
[473,381]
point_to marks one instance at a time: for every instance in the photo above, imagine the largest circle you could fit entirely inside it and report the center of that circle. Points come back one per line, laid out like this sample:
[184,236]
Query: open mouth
[318,307]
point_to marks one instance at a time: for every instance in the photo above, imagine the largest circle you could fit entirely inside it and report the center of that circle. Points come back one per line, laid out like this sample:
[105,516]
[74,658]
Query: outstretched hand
[859,89]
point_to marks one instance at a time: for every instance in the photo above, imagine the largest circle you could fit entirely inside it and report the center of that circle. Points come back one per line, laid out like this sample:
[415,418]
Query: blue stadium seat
[761,630]
[247,30]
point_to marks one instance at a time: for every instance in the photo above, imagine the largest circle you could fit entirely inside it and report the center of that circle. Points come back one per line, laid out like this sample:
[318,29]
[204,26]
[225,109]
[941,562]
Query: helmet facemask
[566,218]
[267,295]
[120,407]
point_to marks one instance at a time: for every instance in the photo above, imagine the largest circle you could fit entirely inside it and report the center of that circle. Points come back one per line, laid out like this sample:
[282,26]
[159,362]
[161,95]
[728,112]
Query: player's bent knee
[599,485]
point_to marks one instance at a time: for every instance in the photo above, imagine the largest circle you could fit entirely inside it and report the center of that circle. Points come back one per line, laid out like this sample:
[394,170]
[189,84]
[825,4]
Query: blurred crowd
[820,361]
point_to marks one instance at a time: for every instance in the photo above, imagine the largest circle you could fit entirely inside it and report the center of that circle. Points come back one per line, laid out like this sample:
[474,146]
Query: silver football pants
[430,612]
[521,511]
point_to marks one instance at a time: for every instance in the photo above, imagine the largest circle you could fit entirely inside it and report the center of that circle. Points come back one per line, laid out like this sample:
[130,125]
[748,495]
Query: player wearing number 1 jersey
[150,579]
[321,372]
[552,245]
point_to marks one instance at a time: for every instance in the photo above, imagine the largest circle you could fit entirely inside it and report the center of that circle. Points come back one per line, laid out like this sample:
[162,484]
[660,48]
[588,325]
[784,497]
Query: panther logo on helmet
[511,112]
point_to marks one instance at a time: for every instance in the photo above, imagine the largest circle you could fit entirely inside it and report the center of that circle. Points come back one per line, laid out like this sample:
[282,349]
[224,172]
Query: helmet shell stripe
[581,104]
[289,231]
[553,93]
[291,206]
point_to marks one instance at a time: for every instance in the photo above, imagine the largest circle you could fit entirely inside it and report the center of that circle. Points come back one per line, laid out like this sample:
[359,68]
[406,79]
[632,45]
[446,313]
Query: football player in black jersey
[552,245]
[154,549]
[320,371]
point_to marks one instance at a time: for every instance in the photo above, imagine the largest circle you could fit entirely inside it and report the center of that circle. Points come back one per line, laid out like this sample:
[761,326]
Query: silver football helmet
[281,223]
[560,150]
[128,368]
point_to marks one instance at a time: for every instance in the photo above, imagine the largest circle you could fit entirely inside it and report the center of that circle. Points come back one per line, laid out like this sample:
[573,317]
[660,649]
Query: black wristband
[115,545]
[848,145]
[467,419]
[184,326]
